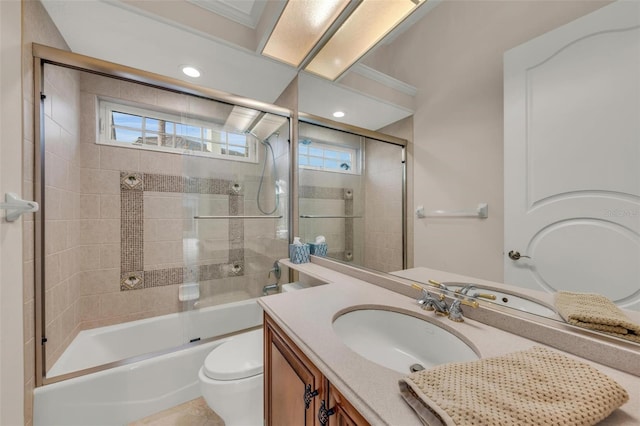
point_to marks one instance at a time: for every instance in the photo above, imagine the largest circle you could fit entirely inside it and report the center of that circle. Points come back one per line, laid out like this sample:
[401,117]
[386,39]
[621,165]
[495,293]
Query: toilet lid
[238,358]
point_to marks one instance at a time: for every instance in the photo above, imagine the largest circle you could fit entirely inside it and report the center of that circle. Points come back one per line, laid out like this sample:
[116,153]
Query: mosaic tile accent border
[179,275]
[132,187]
[323,193]
[346,194]
[131,230]
[186,185]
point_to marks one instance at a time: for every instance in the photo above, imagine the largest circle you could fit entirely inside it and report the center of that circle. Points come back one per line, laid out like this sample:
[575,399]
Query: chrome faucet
[277,272]
[430,302]
[455,311]
[470,287]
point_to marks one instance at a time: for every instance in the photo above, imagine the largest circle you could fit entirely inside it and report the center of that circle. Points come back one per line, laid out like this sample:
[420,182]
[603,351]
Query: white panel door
[572,157]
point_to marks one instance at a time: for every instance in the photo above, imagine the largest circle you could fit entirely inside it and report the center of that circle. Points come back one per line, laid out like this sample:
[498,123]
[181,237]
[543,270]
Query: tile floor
[192,413]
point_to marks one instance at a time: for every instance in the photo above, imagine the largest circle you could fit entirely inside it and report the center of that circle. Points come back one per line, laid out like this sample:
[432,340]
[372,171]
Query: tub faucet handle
[277,272]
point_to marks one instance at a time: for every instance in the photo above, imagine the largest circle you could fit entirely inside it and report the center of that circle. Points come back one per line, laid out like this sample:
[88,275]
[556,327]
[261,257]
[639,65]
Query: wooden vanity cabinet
[295,391]
[345,414]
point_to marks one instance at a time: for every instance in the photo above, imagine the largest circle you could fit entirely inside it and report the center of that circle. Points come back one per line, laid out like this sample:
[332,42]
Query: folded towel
[596,312]
[537,386]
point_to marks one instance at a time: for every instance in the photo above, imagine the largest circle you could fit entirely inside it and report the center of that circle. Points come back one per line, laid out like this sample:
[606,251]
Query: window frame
[328,146]
[106,106]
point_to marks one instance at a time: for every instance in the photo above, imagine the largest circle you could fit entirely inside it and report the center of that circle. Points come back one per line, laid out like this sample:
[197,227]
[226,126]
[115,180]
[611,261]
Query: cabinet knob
[308,396]
[324,413]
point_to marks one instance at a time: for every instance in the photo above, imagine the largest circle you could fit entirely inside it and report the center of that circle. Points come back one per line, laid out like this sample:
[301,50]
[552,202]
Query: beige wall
[11,294]
[454,57]
[36,27]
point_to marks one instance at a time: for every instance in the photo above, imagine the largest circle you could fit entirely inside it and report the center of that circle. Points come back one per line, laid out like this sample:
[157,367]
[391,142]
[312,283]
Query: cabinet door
[344,413]
[293,385]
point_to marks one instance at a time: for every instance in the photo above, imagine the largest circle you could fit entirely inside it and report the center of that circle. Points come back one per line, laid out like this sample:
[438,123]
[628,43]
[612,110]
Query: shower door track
[146,356]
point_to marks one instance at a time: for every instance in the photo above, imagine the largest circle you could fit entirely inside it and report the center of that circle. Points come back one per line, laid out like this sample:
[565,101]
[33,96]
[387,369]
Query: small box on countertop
[319,249]
[299,253]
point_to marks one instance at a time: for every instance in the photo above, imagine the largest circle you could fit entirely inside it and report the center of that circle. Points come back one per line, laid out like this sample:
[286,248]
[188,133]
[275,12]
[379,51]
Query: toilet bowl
[231,380]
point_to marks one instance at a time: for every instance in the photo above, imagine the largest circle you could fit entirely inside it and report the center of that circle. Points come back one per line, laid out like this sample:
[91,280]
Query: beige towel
[537,386]
[596,312]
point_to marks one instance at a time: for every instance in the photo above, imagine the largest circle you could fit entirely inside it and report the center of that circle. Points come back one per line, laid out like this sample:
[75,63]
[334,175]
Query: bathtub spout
[267,288]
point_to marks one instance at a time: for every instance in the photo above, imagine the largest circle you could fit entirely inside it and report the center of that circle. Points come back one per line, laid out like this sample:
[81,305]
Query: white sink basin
[397,341]
[510,300]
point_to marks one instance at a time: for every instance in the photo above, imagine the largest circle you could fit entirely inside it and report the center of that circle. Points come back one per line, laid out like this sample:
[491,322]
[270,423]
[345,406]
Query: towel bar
[238,217]
[482,212]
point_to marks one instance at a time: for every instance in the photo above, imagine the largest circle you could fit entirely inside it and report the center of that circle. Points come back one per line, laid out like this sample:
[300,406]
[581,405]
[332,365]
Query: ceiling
[224,38]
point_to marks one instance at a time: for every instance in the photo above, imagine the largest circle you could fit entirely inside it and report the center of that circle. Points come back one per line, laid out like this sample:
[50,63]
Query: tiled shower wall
[333,194]
[134,244]
[63,253]
[383,204]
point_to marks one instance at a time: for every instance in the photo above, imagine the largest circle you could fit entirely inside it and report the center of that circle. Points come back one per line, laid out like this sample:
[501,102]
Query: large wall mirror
[352,184]
[549,93]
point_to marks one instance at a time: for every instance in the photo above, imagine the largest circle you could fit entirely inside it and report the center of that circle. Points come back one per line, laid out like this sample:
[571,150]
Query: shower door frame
[48,55]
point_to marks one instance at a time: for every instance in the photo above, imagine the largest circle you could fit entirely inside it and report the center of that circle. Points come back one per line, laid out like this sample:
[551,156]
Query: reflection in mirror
[164,213]
[350,192]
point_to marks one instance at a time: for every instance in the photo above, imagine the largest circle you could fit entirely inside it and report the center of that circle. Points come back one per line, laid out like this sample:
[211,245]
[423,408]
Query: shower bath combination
[133,233]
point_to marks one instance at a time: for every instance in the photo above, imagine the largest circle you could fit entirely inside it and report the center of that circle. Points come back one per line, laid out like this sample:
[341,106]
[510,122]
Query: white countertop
[307,317]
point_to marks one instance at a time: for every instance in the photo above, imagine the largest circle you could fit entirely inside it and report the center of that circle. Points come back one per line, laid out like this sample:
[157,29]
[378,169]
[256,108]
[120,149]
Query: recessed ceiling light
[338,114]
[190,71]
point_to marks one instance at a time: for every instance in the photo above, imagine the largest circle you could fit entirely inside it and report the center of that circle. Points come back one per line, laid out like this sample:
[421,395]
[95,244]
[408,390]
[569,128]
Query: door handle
[515,255]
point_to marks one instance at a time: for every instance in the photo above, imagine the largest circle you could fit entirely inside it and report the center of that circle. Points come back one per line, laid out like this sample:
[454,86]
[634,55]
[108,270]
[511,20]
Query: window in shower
[137,127]
[321,156]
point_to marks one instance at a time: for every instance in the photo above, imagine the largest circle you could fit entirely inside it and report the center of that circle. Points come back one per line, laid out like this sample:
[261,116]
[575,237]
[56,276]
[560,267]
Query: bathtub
[125,393]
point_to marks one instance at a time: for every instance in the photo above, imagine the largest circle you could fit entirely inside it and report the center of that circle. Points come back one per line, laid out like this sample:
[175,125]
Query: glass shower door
[236,224]
[351,193]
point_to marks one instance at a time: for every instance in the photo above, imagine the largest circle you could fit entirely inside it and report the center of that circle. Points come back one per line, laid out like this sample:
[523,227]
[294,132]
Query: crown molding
[384,79]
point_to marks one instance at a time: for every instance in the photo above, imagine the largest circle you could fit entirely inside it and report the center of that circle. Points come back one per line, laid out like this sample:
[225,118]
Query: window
[326,157]
[136,127]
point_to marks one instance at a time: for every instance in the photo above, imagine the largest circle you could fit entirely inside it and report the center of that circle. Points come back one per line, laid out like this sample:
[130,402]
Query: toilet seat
[238,358]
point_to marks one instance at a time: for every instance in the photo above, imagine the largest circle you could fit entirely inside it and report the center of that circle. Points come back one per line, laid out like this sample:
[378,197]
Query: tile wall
[383,204]
[333,194]
[63,252]
[133,238]
[375,239]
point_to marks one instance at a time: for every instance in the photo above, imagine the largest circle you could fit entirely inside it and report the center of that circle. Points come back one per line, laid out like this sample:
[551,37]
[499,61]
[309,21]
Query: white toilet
[231,380]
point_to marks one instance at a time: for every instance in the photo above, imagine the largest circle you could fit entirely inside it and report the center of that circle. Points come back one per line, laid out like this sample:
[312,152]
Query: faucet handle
[275,270]
[487,296]
[437,284]
[471,303]
[455,311]
[423,295]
